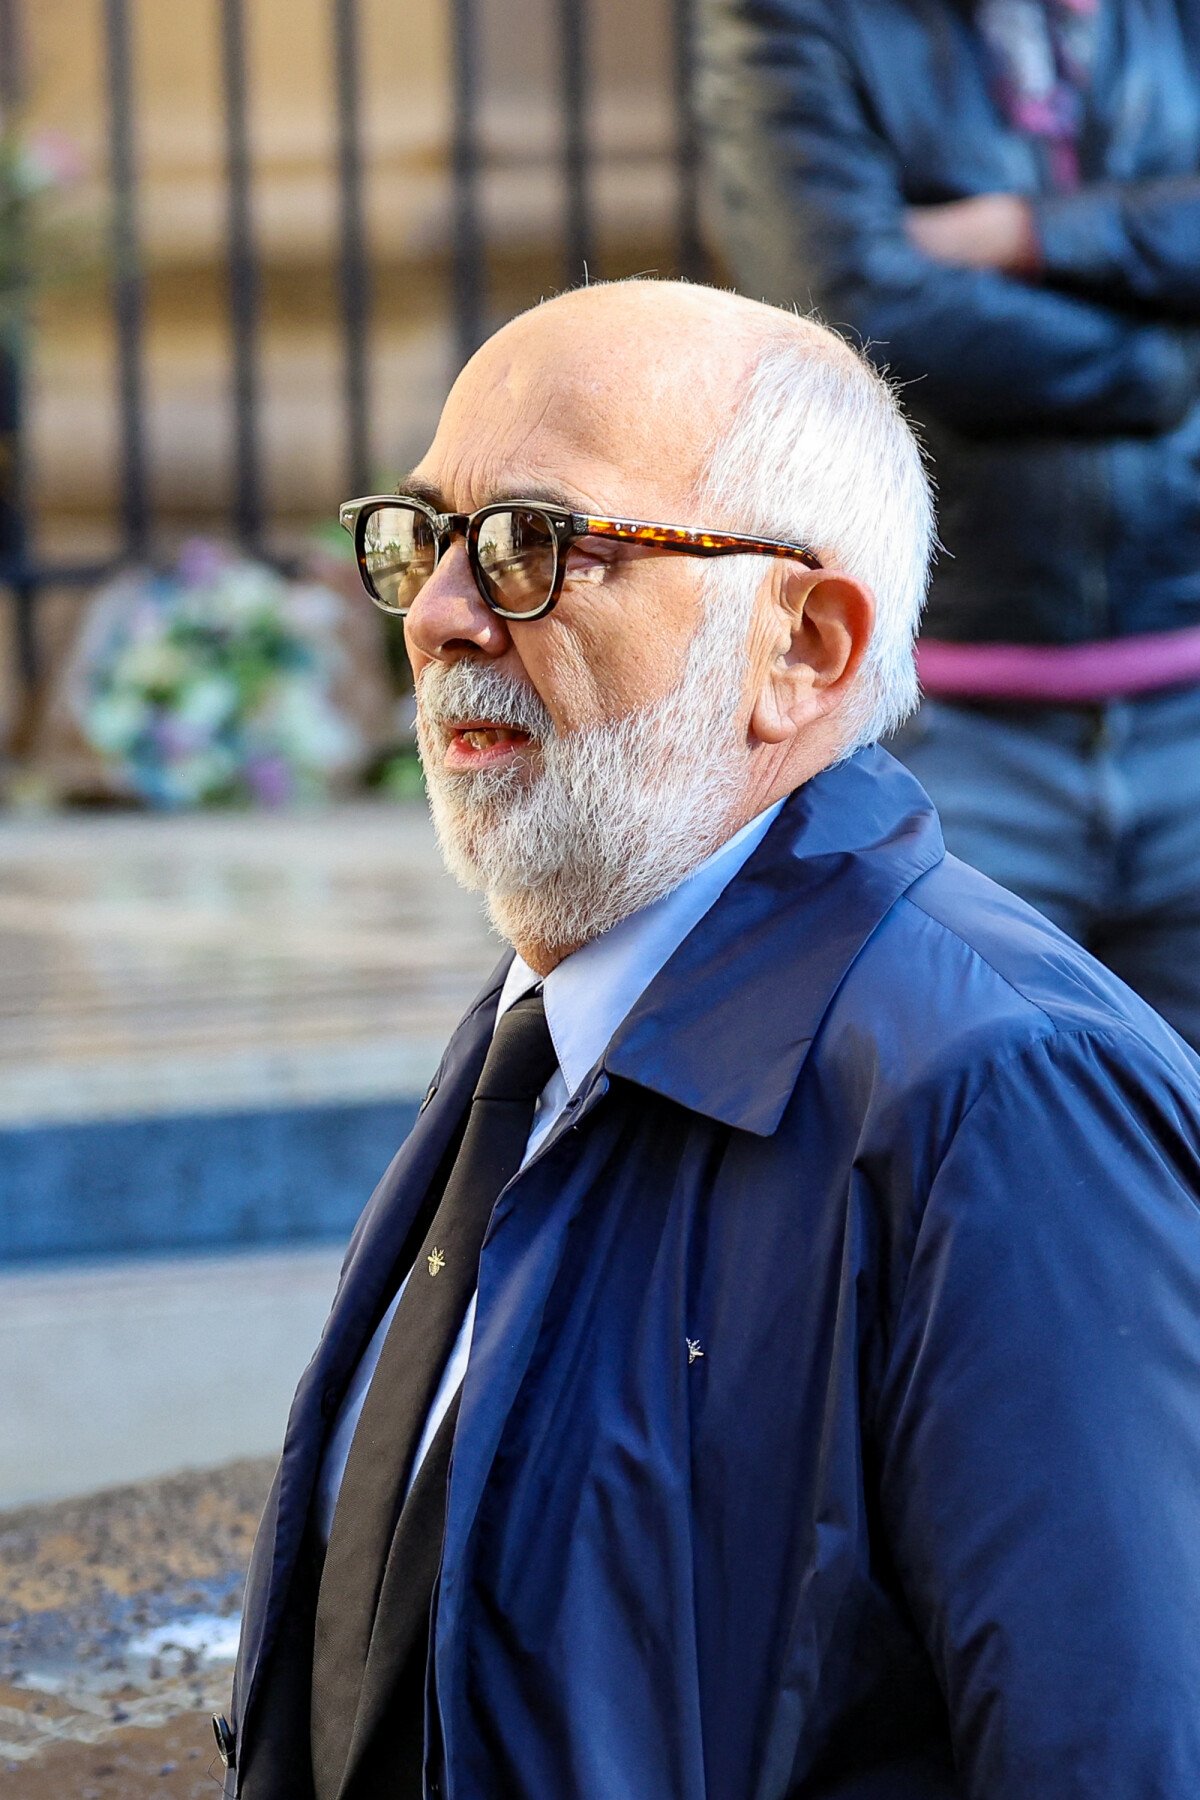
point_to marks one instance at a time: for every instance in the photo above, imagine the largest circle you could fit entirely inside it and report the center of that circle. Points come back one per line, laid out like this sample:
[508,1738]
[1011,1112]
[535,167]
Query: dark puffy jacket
[1064,416]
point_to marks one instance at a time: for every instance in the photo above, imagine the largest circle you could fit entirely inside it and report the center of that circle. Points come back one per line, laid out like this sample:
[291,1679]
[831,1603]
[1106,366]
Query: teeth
[483,740]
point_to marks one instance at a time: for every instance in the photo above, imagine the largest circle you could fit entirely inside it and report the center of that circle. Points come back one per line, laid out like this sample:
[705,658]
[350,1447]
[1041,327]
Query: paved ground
[152,964]
[118,1619]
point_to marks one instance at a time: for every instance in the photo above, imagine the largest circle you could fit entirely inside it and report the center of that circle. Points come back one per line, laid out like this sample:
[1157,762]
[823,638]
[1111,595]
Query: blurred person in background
[1001,199]
[768,1369]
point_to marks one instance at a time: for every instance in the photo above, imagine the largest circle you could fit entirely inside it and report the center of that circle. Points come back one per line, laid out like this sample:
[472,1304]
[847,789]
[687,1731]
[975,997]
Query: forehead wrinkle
[595,419]
[626,476]
[490,419]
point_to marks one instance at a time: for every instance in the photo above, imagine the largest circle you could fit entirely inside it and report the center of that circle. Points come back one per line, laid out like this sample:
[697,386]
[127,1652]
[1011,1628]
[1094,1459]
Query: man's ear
[818,624]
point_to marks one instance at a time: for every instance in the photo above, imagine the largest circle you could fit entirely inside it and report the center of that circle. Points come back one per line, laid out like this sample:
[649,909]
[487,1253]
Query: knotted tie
[414,1355]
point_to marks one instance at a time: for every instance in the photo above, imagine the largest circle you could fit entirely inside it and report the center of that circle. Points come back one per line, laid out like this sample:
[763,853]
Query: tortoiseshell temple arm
[698,543]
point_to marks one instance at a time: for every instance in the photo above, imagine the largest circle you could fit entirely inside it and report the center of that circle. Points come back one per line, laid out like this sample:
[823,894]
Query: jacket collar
[726,1025]
[590,992]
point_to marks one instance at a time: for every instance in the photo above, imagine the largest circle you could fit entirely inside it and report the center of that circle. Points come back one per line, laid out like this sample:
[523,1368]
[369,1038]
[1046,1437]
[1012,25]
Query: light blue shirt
[586,997]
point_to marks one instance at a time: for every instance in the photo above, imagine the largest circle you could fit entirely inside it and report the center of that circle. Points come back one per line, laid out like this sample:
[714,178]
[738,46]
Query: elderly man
[770,1366]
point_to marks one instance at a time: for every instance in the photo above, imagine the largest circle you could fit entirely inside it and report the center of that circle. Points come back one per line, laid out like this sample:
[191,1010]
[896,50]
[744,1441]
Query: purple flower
[201,561]
[269,780]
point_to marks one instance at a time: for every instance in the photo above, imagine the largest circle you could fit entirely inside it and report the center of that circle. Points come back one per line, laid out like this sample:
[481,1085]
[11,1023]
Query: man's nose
[448,618]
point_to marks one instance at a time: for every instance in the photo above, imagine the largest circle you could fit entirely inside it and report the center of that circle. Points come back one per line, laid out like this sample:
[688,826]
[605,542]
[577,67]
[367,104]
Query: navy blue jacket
[832,1425]
[1064,414]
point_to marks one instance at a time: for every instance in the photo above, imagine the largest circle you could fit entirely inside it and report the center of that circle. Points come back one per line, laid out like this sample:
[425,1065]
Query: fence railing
[25,574]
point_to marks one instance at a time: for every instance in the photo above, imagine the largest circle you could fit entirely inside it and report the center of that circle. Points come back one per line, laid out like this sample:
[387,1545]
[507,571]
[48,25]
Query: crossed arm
[987,231]
[1135,241]
[815,212]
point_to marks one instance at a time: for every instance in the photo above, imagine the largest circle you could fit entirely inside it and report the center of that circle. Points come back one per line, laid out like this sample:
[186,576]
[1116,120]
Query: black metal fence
[21,572]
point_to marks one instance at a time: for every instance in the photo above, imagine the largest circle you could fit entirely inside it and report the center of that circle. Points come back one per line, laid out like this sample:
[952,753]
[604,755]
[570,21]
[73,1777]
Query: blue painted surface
[117,1186]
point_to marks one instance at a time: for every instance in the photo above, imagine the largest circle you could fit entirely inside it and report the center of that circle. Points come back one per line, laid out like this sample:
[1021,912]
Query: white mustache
[463,690]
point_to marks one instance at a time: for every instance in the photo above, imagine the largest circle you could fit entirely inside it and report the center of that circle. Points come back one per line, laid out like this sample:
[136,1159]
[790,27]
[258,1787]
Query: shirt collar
[591,991]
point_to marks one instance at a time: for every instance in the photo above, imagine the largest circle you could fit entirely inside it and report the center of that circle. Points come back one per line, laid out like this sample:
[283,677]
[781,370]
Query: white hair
[820,452]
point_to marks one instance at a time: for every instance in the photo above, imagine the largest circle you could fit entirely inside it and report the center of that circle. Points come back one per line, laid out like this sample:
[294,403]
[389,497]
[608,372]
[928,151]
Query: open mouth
[475,742]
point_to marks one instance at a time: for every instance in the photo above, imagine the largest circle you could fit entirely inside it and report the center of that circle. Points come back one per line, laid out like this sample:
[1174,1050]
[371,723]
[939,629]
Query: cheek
[567,672]
[589,677]
[624,647]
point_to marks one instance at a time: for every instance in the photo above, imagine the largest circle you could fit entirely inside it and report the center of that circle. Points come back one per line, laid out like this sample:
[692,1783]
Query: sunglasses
[517,549]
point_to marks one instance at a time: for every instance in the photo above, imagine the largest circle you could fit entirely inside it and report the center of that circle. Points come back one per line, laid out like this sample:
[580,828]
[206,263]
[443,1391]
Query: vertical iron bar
[129,300]
[578,236]
[693,264]
[243,280]
[12,461]
[11,445]
[354,271]
[468,272]
[14,565]
[29,652]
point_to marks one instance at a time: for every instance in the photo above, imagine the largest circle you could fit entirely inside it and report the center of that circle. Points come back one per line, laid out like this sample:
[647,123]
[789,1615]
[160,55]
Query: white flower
[152,664]
[206,703]
[241,593]
[115,720]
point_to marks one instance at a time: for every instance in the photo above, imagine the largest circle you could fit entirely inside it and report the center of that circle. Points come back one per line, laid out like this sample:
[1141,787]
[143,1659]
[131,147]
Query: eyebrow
[414,487]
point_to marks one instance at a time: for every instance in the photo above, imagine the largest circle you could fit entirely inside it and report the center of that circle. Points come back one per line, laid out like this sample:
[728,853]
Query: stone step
[215,1028]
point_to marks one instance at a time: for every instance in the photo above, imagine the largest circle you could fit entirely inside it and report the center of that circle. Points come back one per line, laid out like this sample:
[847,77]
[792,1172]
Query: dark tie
[414,1355]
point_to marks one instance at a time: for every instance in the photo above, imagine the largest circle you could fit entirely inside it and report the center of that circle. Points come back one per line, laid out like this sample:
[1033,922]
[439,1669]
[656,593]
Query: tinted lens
[400,554]
[518,554]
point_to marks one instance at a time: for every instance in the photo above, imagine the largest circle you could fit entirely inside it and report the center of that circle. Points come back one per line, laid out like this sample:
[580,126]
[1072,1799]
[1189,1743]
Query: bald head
[642,376]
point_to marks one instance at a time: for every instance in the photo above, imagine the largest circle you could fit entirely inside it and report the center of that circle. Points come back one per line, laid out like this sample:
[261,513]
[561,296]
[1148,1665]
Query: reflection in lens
[517,558]
[400,555]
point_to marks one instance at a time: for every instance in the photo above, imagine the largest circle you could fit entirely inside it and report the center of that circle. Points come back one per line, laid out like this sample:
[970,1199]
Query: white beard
[617,814]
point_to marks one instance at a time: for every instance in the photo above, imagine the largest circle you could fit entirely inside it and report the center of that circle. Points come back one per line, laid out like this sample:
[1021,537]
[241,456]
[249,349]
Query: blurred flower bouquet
[214,684]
